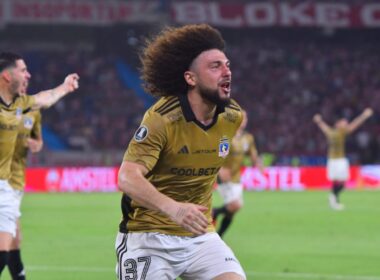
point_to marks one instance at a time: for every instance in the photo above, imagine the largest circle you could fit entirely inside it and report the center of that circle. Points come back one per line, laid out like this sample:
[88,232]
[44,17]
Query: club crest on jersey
[224,147]
[28,123]
[18,113]
[141,133]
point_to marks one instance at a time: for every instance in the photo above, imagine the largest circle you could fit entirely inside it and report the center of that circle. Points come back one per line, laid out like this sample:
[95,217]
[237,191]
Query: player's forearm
[358,121]
[144,193]
[47,98]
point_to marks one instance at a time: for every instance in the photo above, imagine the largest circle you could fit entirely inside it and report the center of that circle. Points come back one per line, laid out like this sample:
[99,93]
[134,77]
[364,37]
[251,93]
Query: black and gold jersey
[336,143]
[183,158]
[10,118]
[242,145]
[30,126]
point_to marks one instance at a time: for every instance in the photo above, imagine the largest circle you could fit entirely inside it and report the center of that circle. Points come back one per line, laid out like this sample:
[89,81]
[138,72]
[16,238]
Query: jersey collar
[189,114]
[10,104]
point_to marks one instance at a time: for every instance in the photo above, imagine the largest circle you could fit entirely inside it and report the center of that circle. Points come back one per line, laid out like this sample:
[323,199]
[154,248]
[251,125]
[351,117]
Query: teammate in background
[29,139]
[171,164]
[14,78]
[338,171]
[230,187]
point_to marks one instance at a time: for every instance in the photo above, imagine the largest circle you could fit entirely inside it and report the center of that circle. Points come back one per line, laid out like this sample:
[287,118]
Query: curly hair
[169,55]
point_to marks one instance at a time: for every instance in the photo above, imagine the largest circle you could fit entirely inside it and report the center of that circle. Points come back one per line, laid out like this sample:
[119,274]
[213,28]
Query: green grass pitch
[277,235]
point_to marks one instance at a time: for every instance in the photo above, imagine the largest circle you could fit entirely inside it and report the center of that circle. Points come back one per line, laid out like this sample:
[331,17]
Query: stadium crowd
[281,83]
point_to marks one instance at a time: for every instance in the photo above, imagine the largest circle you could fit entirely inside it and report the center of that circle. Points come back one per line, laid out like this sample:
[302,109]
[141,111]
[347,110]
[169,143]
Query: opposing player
[14,78]
[338,169]
[171,163]
[230,186]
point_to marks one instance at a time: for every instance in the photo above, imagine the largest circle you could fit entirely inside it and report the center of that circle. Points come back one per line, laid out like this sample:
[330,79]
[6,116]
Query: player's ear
[6,75]
[189,78]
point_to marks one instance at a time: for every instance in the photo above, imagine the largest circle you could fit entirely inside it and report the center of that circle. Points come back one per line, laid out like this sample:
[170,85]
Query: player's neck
[203,110]
[5,95]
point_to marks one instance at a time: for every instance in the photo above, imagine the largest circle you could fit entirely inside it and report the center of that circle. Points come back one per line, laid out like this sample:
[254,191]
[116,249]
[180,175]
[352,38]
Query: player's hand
[34,145]
[368,112]
[317,118]
[71,82]
[190,217]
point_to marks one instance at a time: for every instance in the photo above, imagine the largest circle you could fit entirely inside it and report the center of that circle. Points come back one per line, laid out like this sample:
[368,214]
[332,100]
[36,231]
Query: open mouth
[226,86]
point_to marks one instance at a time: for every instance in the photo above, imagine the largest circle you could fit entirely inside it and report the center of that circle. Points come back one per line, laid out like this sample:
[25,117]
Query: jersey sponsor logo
[205,151]
[28,123]
[224,147]
[194,171]
[4,126]
[141,133]
[183,150]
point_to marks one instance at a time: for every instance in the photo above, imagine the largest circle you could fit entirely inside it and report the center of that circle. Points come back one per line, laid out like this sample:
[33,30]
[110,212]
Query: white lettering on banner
[332,14]
[260,14]
[370,15]
[88,179]
[274,178]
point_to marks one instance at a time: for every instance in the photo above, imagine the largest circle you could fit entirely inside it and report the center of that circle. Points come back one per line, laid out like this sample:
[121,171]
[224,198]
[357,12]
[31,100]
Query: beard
[212,96]
[15,88]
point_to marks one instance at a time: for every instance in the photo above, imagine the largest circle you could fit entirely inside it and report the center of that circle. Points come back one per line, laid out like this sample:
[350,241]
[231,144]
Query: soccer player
[29,139]
[230,187]
[338,169]
[171,164]
[14,78]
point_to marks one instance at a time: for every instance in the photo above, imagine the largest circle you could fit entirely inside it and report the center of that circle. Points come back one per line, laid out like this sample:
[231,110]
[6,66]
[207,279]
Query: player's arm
[326,129]
[35,141]
[359,120]
[132,181]
[45,99]
[35,144]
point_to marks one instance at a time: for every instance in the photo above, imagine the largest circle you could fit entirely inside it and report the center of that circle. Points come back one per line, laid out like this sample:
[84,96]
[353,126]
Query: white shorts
[153,256]
[338,169]
[231,192]
[10,201]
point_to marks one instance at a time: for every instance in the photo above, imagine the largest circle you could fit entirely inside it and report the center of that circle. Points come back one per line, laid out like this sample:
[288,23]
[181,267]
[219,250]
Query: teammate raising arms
[14,78]
[171,163]
[338,169]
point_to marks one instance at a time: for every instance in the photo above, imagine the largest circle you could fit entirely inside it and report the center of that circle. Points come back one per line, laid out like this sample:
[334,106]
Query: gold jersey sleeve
[336,143]
[183,158]
[242,145]
[10,118]
[30,126]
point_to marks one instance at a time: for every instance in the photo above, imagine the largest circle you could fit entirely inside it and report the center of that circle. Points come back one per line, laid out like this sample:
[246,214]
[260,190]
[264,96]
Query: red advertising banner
[71,179]
[225,14]
[104,179]
[281,13]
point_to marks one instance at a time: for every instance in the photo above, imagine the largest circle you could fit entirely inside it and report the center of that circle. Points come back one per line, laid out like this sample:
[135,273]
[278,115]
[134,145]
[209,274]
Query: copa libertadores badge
[141,133]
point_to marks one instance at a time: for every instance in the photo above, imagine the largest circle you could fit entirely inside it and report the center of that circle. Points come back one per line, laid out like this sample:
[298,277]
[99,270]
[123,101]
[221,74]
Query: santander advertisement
[104,179]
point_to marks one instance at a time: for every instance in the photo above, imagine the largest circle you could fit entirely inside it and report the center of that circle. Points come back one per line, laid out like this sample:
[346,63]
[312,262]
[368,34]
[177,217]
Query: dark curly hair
[168,56]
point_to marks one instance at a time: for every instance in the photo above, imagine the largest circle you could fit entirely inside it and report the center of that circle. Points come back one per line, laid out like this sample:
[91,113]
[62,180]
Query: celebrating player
[338,169]
[14,78]
[171,163]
